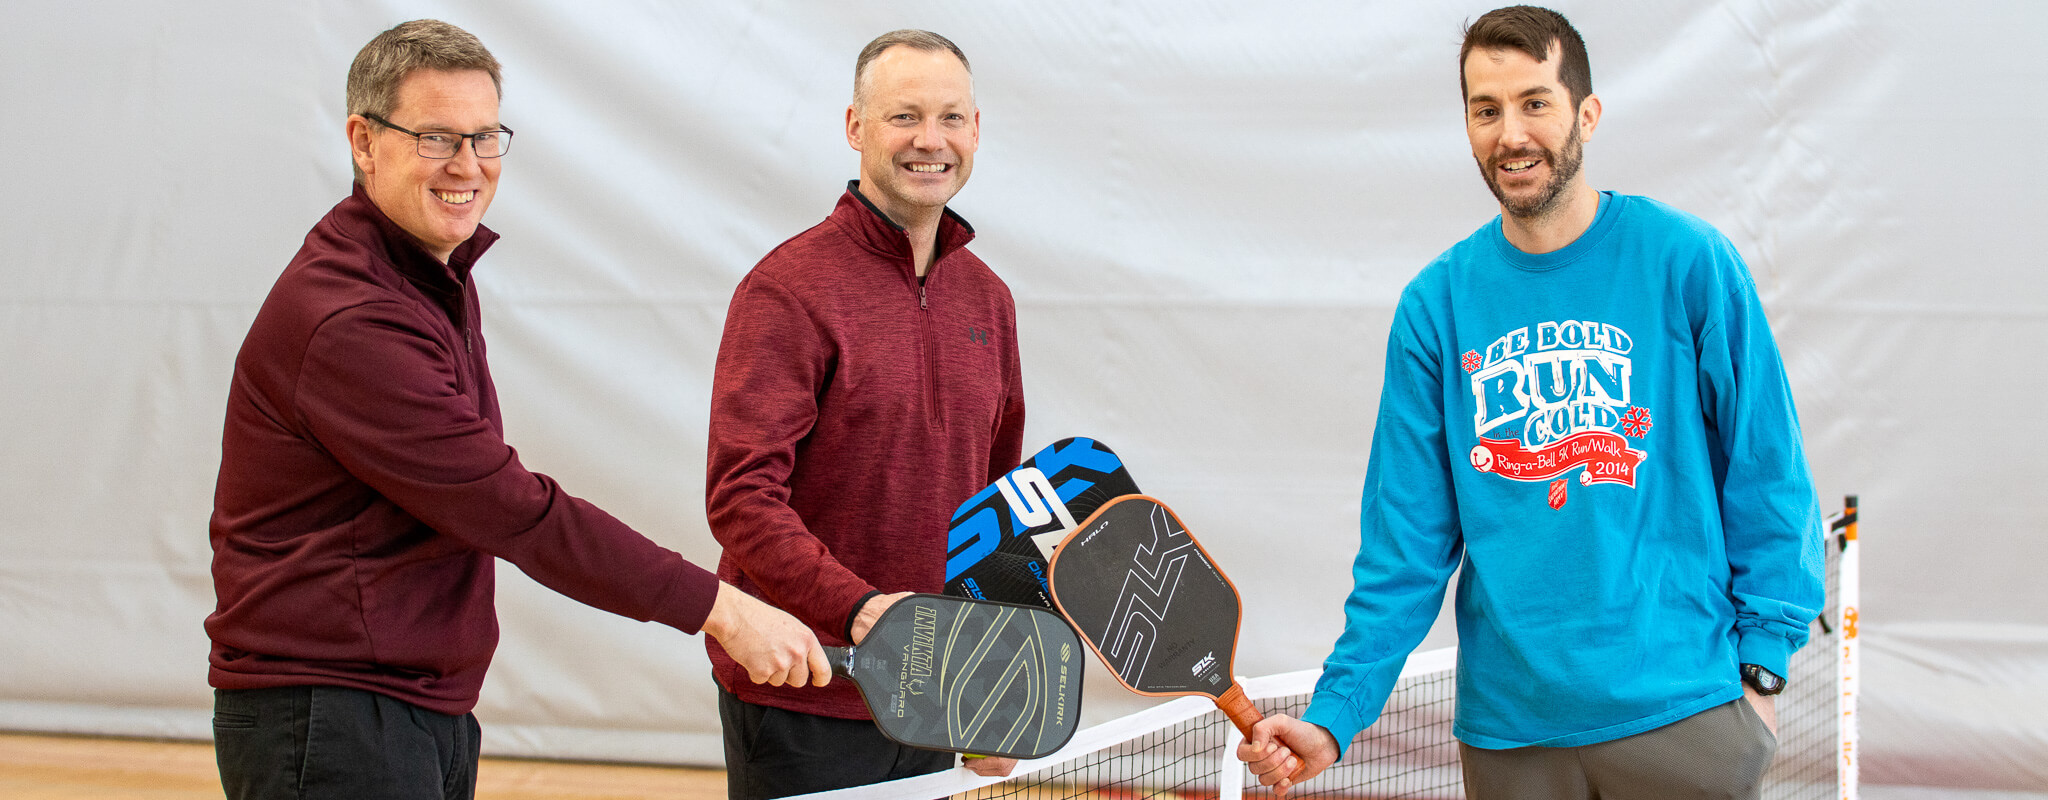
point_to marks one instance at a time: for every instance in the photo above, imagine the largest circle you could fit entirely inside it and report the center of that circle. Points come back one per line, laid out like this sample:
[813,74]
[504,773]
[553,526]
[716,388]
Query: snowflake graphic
[1472,360]
[1637,423]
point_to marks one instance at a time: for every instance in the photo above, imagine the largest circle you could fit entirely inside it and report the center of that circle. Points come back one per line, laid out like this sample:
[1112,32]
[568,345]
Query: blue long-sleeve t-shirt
[1604,439]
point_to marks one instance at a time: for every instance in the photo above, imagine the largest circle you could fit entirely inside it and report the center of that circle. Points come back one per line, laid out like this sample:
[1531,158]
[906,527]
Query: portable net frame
[1185,749]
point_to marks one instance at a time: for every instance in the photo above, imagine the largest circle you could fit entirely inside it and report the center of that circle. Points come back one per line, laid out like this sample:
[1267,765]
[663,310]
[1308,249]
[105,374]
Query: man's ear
[1589,117]
[360,142]
[853,128]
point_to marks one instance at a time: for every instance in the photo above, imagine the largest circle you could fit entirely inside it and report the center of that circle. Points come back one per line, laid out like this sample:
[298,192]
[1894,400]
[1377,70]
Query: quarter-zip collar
[878,234]
[363,221]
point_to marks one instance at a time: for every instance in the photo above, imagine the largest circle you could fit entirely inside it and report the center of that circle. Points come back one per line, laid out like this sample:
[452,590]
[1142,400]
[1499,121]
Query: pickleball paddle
[1000,540]
[1152,604]
[969,676]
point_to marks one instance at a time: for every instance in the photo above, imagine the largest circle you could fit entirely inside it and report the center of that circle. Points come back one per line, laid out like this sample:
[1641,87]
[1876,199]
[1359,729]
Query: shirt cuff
[855,613]
[688,605]
[1767,650]
[1335,715]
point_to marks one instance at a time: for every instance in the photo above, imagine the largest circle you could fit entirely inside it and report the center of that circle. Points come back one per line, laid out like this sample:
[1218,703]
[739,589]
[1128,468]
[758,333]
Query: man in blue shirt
[1585,410]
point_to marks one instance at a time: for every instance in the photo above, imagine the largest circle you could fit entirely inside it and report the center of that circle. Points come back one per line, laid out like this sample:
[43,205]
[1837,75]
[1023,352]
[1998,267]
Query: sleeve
[1409,540]
[1769,513]
[773,363]
[381,394]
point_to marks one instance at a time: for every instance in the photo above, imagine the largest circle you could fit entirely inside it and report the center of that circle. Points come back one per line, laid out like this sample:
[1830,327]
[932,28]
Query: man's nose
[929,136]
[465,161]
[1514,130]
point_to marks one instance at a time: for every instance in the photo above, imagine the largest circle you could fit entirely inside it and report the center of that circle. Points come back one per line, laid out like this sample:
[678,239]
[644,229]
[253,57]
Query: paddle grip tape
[1239,709]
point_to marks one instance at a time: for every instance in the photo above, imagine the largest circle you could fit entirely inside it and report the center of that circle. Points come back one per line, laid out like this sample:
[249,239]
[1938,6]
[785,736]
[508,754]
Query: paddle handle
[1239,709]
[841,659]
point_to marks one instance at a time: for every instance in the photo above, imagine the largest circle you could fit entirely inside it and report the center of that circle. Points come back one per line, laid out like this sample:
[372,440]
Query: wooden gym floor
[77,768]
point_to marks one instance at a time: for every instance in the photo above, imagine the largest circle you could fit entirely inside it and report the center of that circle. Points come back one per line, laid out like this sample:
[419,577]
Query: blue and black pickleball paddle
[1000,541]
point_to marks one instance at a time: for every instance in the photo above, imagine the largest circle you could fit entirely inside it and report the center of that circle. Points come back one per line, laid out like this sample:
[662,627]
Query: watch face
[1765,681]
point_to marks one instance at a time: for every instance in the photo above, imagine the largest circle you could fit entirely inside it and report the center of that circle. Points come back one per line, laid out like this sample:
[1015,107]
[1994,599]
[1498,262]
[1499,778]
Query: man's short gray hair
[387,60]
[909,37]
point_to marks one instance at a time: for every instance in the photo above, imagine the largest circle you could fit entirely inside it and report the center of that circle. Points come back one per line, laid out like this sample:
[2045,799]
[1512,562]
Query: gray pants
[1721,752]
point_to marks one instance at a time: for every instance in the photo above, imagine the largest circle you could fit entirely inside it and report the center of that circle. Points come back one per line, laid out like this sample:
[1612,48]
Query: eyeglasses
[488,144]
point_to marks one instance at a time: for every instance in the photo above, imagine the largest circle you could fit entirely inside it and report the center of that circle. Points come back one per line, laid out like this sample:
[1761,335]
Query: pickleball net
[1185,749]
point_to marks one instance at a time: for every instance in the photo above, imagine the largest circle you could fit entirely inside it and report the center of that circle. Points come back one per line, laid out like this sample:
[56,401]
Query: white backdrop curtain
[1206,211]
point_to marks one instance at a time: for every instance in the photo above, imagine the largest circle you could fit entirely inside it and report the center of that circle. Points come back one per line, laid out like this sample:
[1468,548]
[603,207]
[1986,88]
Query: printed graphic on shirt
[1555,398]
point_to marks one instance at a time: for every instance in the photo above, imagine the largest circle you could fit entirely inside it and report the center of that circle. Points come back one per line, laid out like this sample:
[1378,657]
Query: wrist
[719,621]
[1328,737]
[853,617]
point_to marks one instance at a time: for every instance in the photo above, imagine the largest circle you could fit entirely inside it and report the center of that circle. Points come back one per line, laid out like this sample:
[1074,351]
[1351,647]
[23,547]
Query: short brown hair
[1531,30]
[385,62]
[909,37]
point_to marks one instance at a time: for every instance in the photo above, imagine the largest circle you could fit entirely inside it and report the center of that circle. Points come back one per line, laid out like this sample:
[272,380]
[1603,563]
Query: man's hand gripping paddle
[947,673]
[1152,604]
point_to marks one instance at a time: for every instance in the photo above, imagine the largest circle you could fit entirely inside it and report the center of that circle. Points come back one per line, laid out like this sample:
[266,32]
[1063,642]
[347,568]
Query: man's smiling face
[440,201]
[1526,134]
[916,128]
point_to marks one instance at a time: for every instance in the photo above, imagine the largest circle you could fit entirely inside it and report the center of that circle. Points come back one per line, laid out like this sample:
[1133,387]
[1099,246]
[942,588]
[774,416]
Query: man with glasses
[365,487]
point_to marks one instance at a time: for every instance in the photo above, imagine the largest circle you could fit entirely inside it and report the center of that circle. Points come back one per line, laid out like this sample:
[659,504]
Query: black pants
[320,742]
[771,752]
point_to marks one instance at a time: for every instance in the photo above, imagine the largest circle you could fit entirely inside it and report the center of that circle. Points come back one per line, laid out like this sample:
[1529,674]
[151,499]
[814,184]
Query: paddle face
[990,550]
[1148,599]
[947,673]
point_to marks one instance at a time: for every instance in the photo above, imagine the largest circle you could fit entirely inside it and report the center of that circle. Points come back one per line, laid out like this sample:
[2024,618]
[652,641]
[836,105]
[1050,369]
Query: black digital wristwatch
[1764,681]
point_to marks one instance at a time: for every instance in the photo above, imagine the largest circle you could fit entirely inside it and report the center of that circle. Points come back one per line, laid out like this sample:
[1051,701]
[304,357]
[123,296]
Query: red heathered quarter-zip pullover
[850,413]
[365,486]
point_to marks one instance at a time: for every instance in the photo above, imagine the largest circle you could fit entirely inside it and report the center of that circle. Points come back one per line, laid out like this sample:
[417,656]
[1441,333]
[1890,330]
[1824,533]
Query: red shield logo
[1557,493]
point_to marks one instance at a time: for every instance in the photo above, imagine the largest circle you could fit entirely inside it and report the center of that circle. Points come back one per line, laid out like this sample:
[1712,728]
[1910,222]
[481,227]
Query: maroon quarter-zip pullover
[852,410]
[365,485]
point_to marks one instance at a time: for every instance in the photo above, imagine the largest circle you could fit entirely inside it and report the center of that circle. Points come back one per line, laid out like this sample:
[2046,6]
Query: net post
[1849,668]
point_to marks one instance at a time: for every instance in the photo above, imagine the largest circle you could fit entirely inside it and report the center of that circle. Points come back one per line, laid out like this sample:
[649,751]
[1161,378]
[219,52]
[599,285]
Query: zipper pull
[920,298]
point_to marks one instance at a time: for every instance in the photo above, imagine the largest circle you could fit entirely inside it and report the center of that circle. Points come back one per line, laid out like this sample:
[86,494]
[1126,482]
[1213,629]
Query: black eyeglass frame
[503,148]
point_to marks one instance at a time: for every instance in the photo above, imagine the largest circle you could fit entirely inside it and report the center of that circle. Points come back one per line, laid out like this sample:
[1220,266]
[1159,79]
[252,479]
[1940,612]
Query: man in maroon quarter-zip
[366,489]
[866,384]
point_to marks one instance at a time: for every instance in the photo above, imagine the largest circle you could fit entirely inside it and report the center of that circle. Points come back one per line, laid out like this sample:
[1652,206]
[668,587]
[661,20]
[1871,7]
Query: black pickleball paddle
[969,676]
[1152,604]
